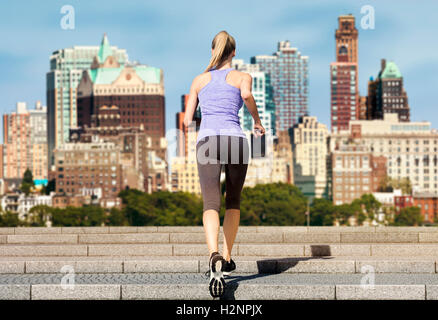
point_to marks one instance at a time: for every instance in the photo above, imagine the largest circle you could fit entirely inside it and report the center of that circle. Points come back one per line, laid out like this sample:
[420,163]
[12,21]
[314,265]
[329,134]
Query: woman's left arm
[192,102]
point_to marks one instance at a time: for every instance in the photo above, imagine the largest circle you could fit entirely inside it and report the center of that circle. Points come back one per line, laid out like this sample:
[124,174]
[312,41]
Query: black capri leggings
[214,152]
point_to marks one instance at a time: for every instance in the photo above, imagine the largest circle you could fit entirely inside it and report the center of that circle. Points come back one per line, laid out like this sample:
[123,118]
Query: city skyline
[308,27]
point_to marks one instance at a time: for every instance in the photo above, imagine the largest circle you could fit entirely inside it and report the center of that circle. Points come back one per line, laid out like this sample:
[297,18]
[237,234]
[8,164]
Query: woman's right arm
[245,92]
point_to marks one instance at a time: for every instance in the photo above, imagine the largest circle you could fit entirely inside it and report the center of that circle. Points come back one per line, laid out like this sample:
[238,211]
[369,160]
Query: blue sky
[176,36]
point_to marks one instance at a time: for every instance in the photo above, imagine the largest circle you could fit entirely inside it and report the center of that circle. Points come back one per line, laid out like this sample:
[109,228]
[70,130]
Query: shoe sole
[217,281]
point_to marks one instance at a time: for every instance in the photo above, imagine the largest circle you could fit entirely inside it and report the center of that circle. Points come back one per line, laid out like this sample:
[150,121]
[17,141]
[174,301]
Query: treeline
[275,204]
[324,213]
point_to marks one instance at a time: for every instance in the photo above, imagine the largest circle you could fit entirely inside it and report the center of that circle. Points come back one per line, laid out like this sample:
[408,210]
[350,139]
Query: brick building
[403,201]
[139,152]
[428,204]
[89,169]
[345,103]
[410,147]
[355,171]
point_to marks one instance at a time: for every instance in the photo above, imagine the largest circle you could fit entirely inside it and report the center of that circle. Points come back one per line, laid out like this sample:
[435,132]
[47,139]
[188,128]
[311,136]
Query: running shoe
[228,267]
[217,281]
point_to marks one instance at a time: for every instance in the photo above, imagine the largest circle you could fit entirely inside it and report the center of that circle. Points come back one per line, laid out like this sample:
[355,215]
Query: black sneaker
[217,281]
[228,267]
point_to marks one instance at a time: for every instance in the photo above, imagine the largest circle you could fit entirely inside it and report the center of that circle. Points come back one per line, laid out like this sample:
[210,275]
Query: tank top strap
[219,75]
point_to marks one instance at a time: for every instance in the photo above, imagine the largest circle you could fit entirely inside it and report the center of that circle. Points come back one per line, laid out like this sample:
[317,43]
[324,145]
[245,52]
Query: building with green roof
[386,94]
[66,67]
[136,89]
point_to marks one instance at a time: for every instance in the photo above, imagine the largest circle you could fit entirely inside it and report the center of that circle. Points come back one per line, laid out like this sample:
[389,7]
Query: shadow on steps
[268,267]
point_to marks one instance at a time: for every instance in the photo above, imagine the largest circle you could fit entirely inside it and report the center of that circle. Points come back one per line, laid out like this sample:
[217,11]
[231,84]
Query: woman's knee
[212,204]
[232,201]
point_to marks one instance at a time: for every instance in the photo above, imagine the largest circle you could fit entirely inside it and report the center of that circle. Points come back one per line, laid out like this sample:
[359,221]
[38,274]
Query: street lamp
[308,212]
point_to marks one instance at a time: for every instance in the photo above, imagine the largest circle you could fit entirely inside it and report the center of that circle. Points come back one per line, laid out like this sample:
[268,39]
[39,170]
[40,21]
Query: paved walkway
[196,278]
[175,286]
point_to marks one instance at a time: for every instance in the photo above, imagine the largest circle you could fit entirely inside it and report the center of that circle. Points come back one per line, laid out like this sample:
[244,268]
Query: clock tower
[346,40]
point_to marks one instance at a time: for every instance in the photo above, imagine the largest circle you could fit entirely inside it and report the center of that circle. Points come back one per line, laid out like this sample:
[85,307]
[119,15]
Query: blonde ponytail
[223,45]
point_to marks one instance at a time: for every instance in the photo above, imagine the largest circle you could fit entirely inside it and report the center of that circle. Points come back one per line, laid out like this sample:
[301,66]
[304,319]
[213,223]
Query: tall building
[386,94]
[371,102]
[25,143]
[137,90]
[411,148]
[16,150]
[288,71]
[346,39]
[309,146]
[66,66]
[182,135]
[263,95]
[38,142]
[344,76]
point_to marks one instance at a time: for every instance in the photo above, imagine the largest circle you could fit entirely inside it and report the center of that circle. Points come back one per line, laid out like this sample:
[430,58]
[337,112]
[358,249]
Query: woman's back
[220,103]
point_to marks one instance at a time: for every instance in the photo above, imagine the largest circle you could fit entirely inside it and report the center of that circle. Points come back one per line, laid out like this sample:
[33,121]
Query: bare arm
[192,102]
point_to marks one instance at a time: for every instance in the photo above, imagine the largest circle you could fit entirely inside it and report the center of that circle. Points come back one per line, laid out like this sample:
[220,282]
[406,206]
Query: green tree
[27,183]
[358,211]
[366,207]
[343,212]
[178,208]
[92,215]
[409,216]
[322,212]
[388,184]
[371,204]
[85,216]
[278,204]
[137,207]
[10,219]
[117,217]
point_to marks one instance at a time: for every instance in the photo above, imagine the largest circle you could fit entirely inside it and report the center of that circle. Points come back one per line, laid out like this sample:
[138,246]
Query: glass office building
[288,72]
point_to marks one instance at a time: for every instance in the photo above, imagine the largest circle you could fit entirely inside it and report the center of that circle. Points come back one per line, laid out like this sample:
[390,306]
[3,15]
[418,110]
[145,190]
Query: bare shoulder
[244,75]
[201,77]
[201,80]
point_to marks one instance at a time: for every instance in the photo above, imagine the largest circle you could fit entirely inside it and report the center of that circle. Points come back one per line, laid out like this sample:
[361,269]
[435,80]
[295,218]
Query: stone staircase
[169,263]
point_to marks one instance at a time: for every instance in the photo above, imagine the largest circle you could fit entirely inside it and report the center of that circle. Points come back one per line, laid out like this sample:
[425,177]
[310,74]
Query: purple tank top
[220,103]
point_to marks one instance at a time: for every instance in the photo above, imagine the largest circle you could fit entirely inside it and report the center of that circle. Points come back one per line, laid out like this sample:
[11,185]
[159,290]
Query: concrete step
[266,237]
[199,229]
[195,235]
[195,286]
[249,265]
[239,249]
